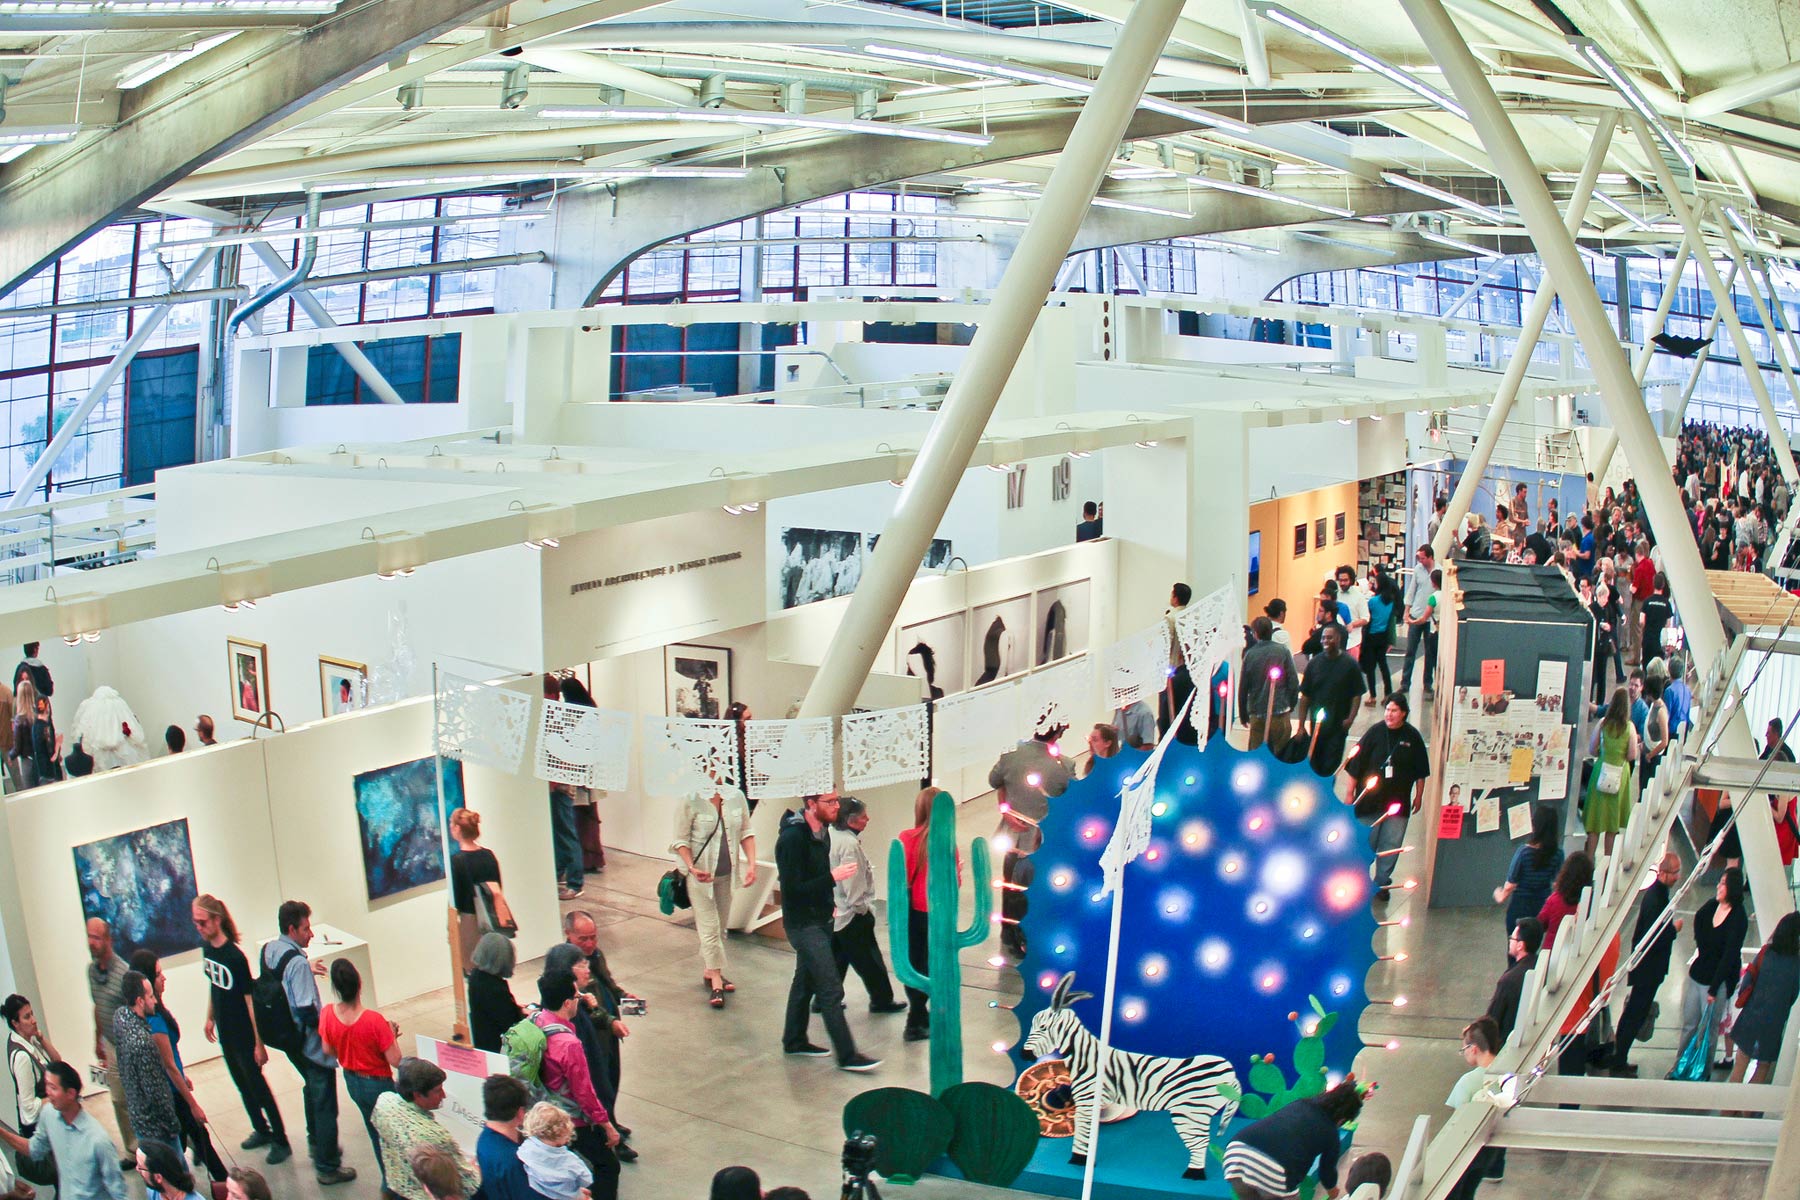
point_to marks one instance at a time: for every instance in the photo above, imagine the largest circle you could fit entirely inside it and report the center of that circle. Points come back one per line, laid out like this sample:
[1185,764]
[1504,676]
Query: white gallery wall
[268,820]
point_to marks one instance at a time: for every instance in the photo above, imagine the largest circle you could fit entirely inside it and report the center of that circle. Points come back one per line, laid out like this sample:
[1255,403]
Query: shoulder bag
[492,913]
[672,889]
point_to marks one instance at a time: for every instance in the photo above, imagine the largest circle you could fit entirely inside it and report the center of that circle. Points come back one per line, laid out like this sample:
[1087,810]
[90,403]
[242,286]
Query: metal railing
[77,533]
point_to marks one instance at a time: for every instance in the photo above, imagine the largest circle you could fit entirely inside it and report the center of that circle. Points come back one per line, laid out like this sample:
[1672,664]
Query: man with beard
[1328,694]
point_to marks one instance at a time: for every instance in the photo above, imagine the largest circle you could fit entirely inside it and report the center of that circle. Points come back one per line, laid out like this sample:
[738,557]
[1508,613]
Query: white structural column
[1690,221]
[351,353]
[1608,441]
[152,321]
[1776,347]
[945,454]
[1619,392]
[1711,332]
[1482,452]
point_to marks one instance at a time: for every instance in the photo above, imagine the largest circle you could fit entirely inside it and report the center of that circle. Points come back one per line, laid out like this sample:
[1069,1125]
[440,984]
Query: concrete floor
[706,1089]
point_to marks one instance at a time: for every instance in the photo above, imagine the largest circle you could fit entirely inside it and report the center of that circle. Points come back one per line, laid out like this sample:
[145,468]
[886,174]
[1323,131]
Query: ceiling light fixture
[1245,189]
[1469,248]
[473,179]
[1149,209]
[1622,83]
[162,64]
[1738,222]
[719,116]
[1213,243]
[1605,178]
[1356,54]
[1491,215]
[42,136]
[146,8]
[1637,222]
[1050,79]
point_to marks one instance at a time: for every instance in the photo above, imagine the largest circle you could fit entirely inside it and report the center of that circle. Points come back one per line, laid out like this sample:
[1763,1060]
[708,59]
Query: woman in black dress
[492,1008]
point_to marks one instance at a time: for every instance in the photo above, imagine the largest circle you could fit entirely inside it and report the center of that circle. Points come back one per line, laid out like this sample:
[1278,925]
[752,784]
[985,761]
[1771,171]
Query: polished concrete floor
[705,1089]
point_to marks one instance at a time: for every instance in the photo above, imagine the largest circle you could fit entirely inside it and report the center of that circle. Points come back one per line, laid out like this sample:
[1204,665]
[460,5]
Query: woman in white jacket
[710,826]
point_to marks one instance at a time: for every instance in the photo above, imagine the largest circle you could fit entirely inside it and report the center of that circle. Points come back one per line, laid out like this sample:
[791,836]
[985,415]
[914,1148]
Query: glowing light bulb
[1132,1012]
[1055,749]
[1062,947]
[997,961]
[1256,824]
[1061,880]
[1399,1001]
[1231,866]
[999,1047]
[1034,779]
[1190,839]
[1153,855]
[1047,981]
[1214,956]
[1393,1045]
[1262,906]
[1159,809]
[1090,832]
[1190,781]
[1274,673]
[1002,842]
[1410,884]
[1333,836]
[1310,932]
[1400,957]
[1223,689]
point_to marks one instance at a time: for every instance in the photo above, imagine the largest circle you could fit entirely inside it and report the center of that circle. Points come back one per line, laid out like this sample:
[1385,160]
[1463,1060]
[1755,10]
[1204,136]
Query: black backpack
[268,999]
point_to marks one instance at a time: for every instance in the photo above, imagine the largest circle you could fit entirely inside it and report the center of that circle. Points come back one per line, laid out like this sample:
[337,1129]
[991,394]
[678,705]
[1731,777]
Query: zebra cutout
[1185,1088]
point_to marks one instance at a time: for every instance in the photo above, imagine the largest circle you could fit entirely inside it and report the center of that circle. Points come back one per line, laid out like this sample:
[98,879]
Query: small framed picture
[1337,533]
[1319,534]
[1300,540]
[248,663]
[698,681]
[343,685]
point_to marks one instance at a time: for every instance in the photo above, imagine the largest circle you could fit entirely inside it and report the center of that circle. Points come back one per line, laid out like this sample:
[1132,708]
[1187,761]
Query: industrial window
[423,370]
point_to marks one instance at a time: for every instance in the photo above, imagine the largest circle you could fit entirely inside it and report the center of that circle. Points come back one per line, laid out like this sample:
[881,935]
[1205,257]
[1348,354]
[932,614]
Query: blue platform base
[1140,1158]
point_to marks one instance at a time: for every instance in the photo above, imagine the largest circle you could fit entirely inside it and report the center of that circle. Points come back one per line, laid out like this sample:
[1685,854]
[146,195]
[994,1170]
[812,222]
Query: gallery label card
[1493,676]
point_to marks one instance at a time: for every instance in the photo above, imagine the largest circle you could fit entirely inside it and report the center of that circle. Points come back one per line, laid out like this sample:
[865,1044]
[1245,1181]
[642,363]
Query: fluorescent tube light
[1492,215]
[1602,62]
[1050,79]
[1604,179]
[140,8]
[720,116]
[1637,222]
[1469,248]
[475,179]
[1245,189]
[1152,210]
[14,153]
[1738,222]
[42,136]
[1213,243]
[1358,55]
[162,64]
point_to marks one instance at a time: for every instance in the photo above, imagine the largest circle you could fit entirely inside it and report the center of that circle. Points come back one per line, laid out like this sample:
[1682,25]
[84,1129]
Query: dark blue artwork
[142,884]
[402,836]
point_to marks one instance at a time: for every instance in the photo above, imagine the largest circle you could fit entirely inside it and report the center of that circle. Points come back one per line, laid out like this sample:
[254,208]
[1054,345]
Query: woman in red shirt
[918,929]
[1565,895]
[365,1043]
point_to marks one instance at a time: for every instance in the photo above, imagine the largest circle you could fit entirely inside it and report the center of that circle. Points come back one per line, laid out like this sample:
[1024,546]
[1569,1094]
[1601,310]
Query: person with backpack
[553,1064]
[286,1002]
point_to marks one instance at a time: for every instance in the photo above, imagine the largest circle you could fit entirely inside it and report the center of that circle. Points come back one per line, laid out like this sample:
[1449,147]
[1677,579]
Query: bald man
[106,986]
[1647,976]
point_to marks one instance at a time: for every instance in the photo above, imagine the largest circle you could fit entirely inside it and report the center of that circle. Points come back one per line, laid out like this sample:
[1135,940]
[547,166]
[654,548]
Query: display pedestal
[330,942]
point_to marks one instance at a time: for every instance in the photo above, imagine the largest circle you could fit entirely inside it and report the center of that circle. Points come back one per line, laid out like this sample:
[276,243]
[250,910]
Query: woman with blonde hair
[711,825]
[474,886]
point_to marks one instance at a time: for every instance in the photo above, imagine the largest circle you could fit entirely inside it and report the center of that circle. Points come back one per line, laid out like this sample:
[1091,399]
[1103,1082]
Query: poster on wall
[397,815]
[248,663]
[142,885]
[343,685]
[937,555]
[1300,540]
[1255,561]
[1319,534]
[937,652]
[698,681]
[1062,622]
[818,564]
[1001,640]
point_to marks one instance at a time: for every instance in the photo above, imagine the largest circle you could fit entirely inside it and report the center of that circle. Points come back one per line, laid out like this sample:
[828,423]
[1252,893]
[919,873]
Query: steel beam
[195,113]
[351,353]
[1608,441]
[1770,329]
[954,435]
[1712,331]
[1689,220]
[46,462]
[1500,408]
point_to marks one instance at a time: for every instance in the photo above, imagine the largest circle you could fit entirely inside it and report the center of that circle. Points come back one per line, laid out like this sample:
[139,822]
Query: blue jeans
[1390,834]
[320,1093]
[565,842]
[364,1090]
[1417,636]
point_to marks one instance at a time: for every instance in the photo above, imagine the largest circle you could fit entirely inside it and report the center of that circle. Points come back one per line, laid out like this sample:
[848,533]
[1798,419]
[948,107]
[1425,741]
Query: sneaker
[568,893]
[807,1050]
[892,1006]
[336,1175]
[915,1034]
[257,1141]
[859,1062]
[280,1154]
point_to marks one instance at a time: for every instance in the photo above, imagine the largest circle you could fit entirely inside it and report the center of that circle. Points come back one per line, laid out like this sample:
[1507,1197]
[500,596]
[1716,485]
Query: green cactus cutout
[945,940]
[912,1130]
[996,1132]
[1271,1080]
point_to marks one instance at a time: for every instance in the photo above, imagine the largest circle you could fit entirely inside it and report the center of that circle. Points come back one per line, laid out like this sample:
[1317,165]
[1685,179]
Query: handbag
[672,888]
[1747,984]
[1694,1063]
[1647,1030]
[492,913]
[1611,777]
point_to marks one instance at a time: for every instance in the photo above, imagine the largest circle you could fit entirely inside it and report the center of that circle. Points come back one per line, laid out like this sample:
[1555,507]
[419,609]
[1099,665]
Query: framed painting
[1300,540]
[398,819]
[1319,534]
[935,651]
[248,663]
[1061,630]
[343,685]
[1002,639]
[698,681]
[142,885]
[1337,533]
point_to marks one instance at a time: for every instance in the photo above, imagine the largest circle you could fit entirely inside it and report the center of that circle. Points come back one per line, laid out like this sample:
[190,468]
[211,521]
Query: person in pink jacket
[566,1075]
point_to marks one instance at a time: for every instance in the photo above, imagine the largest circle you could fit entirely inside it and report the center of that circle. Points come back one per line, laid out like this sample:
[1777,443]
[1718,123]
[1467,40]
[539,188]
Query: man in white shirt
[1353,594]
[853,902]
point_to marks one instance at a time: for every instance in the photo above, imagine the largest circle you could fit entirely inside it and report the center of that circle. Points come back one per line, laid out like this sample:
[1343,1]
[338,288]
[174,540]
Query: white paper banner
[788,758]
[481,723]
[1056,696]
[888,746]
[1138,667]
[583,747]
[1211,632]
[465,1071]
[975,726]
[683,755]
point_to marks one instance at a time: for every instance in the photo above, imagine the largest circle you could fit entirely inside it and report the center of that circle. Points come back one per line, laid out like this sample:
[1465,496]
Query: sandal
[725,985]
[729,986]
[718,998]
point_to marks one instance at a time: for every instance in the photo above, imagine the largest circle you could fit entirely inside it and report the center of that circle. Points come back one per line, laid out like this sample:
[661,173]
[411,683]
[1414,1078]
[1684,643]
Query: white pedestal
[330,942]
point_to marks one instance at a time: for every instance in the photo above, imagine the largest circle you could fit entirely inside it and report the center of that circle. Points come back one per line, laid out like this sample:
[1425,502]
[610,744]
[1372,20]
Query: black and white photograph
[1062,622]
[698,679]
[937,556]
[1000,640]
[818,564]
[937,652]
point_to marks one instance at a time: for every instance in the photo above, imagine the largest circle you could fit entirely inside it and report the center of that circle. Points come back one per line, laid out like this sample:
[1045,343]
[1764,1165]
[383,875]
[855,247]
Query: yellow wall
[1293,578]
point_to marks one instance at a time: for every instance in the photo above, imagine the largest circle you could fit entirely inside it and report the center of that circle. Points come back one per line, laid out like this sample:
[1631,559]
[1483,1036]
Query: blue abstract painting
[142,885]
[402,836]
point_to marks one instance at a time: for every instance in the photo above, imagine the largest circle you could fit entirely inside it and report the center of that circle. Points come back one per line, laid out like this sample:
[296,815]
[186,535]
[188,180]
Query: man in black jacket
[1522,948]
[808,883]
[1647,976]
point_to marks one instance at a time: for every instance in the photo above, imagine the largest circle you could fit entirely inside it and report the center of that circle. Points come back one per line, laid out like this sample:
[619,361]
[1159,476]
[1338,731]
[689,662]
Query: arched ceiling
[241,105]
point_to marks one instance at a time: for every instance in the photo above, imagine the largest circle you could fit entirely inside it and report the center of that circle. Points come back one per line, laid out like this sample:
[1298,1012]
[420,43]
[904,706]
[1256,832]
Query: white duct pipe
[575,64]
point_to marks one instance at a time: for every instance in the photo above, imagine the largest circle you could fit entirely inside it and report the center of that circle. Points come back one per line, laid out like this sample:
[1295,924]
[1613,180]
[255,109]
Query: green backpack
[524,1045]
